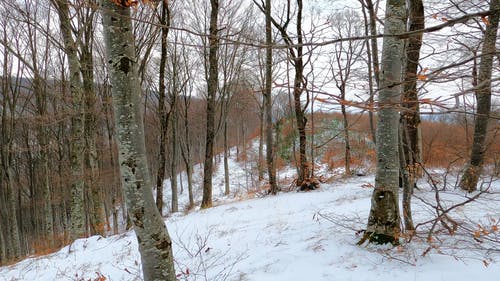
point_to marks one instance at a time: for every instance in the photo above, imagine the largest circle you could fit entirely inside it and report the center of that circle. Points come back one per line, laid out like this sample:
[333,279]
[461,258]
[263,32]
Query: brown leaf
[422,77]
[485,20]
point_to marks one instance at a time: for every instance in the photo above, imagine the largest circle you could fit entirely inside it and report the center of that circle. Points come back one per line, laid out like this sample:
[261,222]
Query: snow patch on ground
[292,236]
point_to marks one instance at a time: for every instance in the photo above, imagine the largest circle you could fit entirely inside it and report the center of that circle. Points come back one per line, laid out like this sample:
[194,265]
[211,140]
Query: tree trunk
[297,94]
[470,178]
[383,222]
[154,241]
[260,163]
[410,130]
[369,56]
[268,104]
[3,249]
[347,145]
[13,224]
[175,157]
[77,122]
[91,155]
[407,178]
[7,194]
[374,43]
[226,162]
[186,152]
[162,111]
[213,73]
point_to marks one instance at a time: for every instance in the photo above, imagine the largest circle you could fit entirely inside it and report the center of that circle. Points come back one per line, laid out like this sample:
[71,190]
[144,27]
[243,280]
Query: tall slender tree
[86,15]
[77,228]
[470,178]
[383,222]
[268,103]
[296,57]
[346,54]
[372,56]
[212,85]
[410,115]
[155,245]
[10,245]
[162,110]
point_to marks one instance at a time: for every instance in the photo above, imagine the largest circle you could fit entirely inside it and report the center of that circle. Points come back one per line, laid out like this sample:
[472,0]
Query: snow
[291,236]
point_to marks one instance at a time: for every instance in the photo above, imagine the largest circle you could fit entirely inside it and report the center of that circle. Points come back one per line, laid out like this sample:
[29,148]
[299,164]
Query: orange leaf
[435,16]
[323,100]
[422,77]
[426,100]
[126,3]
[477,233]
[494,228]
[444,19]
[485,20]
[367,185]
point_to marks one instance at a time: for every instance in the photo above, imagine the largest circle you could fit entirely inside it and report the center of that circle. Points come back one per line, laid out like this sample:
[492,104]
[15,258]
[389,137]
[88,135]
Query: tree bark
[369,56]
[77,229]
[213,73]
[410,130]
[162,111]
[175,153]
[470,178]
[226,162]
[186,151]
[407,178]
[7,194]
[383,222]
[3,249]
[374,43]
[297,94]
[154,241]
[268,104]
[260,164]
[91,155]
[347,144]
[42,137]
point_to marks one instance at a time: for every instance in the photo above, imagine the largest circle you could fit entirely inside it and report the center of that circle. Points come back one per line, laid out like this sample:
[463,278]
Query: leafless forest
[99,98]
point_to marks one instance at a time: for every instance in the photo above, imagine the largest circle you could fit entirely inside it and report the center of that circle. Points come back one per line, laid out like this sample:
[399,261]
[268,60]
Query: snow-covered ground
[291,236]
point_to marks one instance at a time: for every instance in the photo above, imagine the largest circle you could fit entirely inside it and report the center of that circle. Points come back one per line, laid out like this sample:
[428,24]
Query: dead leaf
[485,20]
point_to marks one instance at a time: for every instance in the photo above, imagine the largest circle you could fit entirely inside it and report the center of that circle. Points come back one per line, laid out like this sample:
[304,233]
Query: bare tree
[163,115]
[372,55]
[383,222]
[296,57]
[410,116]
[345,56]
[471,175]
[10,244]
[268,102]
[186,145]
[155,245]
[212,85]
[77,229]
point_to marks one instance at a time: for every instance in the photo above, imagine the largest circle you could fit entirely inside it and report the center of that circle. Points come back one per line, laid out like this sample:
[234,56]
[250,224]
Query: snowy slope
[292,236]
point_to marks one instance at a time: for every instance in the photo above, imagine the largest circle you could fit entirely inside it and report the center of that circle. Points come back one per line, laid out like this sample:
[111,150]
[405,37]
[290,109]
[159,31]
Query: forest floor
[297,236]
